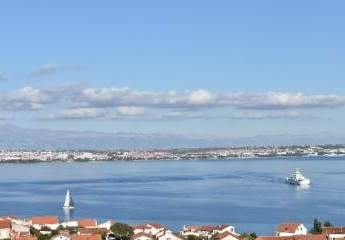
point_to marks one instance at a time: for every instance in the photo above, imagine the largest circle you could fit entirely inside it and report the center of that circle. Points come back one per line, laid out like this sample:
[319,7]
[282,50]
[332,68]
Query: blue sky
[225,68]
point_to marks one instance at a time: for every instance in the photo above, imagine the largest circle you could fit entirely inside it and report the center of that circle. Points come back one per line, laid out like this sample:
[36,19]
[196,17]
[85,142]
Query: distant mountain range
[12,137]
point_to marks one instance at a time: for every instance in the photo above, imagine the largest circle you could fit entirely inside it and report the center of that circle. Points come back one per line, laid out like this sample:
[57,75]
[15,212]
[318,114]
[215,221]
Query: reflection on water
[303,187]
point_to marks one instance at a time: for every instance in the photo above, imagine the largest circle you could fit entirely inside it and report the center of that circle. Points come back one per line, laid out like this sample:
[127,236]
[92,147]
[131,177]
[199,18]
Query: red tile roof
[44,220]
[87,237]
[87,231]
[224,235]
[27,237]
[5,223]
[156,225]
[142,234]
[333,230]
[299,237]
[288,227]
[205,228]
[85,223]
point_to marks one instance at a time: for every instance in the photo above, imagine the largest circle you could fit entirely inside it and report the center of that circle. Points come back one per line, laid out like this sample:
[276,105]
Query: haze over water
[248,193]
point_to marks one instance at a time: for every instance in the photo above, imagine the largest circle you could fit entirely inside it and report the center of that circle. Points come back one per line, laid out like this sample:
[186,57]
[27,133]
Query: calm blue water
[249,194]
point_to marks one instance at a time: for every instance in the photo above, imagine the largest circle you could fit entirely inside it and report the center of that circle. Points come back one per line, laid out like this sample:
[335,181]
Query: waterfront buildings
[87,229]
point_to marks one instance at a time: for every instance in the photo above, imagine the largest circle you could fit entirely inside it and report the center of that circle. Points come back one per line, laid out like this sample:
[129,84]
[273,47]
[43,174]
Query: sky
[207,68]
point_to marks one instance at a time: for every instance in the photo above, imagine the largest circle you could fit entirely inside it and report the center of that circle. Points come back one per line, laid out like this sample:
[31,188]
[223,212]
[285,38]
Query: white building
[291,229]
[334,232]
[149,228]
[51,222]
[61,237]
[226,236]
[5,228]
[207,230]
[142,236]
[168,235]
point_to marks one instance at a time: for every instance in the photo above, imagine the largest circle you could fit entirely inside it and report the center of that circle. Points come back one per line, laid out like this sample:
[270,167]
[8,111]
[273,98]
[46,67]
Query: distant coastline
[34,156]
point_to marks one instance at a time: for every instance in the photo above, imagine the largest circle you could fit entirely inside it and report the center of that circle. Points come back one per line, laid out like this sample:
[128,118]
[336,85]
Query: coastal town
[171,154]
[51,228]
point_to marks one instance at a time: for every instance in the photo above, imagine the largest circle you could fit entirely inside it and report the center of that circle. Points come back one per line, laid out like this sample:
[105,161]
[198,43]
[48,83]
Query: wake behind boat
[297,178]
[69,204]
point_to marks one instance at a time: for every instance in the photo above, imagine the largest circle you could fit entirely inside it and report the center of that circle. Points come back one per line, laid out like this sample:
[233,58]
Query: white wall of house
[60,237]
[229,237]
[5,233]
[168,235]
[142,238]
[50,226]
[230,229]
[70,224]
[336,236]
[301,230]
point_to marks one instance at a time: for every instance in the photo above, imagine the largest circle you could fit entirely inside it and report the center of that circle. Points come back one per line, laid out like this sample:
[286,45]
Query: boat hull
[303,182]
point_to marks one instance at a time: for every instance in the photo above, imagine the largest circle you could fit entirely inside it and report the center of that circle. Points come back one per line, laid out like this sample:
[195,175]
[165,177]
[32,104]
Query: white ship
[68,201]
[297,178]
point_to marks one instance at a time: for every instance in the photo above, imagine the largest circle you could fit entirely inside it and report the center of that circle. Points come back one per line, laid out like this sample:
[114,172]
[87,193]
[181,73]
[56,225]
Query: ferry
[297,178]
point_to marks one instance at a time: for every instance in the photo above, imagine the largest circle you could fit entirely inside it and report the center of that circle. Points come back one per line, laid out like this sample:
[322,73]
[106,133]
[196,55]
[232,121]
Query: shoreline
[36,161]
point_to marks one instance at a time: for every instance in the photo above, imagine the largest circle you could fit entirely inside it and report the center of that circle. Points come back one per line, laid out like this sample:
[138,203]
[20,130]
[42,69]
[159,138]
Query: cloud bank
[79,102]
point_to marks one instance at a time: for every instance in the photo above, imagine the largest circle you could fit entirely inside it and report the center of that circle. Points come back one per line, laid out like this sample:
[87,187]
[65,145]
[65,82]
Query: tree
[327,224]
[317,227]
[249,236]
[122,230]
[193,237]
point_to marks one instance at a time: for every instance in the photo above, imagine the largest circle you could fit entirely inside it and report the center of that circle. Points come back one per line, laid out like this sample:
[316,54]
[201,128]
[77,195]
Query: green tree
[121,230]
[317,227]
[327,224]
[249,236]
[193,237]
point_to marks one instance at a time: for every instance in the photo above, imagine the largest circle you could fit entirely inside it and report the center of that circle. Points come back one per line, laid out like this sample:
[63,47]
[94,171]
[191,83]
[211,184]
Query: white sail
[68,201]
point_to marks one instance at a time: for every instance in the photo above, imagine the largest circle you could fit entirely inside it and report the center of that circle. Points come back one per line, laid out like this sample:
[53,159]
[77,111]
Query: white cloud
[109,97]
[200,97]
[81,113]
[130,111]
[26,98]
[81,102]
[50,69]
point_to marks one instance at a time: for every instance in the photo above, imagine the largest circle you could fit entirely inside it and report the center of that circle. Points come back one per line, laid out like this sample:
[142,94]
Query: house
[296,237]
[142,236]
[291,229]
[71,224]
[87,231]
[5,228]
[334,232]
[107,225]
[207,230]
[225,228]
[226,236]
[149,228]
[87,223]
[61,237]
[168,235]
[87,237]
[52,222]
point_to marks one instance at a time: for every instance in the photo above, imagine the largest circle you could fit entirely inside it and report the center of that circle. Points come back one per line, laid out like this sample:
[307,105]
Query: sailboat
[68,201]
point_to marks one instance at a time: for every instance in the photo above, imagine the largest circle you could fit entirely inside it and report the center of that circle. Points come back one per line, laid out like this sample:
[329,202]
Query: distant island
[17,138]
[28,156]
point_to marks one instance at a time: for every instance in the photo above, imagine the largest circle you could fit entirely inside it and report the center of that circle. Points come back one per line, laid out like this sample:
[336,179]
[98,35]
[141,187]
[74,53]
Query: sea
[250,194]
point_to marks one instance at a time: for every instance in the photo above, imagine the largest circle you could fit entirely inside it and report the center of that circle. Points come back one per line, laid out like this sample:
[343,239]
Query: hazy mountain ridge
[12,137]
